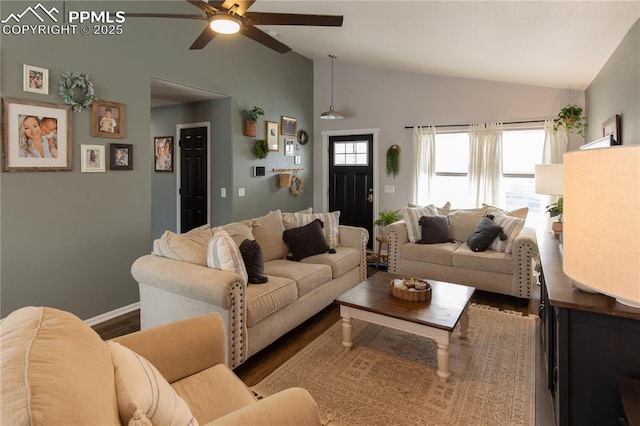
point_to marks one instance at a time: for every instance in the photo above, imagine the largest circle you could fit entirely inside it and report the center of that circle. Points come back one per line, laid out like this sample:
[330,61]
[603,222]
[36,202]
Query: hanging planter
[285,180]
[261,149]
[393,161]
[573,119]
[251,118]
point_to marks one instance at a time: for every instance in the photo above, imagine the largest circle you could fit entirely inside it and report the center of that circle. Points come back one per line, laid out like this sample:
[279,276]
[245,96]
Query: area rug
[389,377]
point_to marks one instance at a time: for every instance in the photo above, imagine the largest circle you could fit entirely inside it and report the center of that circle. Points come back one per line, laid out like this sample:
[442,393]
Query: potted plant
[387,217]
[251,117]
[555,210]
[261,149]
[572,118]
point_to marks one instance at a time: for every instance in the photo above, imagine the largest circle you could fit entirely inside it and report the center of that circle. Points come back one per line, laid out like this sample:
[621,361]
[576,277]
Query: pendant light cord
[332,58]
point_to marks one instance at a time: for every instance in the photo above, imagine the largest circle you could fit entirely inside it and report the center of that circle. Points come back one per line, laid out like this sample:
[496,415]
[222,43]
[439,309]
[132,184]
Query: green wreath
[68,85]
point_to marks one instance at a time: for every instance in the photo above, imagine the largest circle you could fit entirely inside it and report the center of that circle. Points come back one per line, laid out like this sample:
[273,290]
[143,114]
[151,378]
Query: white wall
[391,100]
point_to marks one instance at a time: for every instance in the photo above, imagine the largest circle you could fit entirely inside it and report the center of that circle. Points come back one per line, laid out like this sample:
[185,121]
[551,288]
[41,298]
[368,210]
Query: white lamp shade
[601,237]
[550,179]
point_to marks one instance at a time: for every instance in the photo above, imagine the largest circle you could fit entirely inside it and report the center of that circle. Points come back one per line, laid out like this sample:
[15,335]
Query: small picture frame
[121,156]
[612,127]
[297,159]
[289,147]
[36,136]
[107,120]
[163,153]
[273,135]
[92,158]
[35,79]
[289,126]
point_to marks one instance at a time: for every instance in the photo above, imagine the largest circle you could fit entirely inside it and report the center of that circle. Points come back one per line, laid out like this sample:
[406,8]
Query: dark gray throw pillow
[485,233]
[306,240]
[435,229]
[253,261]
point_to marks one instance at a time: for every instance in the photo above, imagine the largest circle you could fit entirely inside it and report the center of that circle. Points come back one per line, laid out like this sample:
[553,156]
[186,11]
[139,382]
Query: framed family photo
[289,126]
[92,158]
[36,136]
[35,79]
[121,156]
[273,135]
[107,120]
[163,153]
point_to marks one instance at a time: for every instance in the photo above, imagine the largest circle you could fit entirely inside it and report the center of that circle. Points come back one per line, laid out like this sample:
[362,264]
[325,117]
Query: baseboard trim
[112,314]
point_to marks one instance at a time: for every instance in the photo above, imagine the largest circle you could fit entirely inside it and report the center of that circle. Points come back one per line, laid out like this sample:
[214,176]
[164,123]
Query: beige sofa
[57,371]
[509,273]
[254,315]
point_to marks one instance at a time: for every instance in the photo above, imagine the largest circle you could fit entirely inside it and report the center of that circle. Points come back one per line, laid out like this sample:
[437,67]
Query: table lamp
[601,237]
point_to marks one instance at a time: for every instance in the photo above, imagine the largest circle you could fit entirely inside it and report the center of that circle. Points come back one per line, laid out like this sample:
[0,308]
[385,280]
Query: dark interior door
[193,178]
[351,180]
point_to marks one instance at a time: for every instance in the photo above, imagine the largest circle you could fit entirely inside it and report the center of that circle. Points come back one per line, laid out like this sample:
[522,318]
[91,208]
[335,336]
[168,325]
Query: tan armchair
[56,370]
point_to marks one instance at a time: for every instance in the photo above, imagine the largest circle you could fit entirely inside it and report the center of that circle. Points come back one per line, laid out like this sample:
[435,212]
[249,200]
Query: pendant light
[332,114]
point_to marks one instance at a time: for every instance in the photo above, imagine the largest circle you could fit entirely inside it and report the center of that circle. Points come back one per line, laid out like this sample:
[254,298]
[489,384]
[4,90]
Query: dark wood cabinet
[589,340]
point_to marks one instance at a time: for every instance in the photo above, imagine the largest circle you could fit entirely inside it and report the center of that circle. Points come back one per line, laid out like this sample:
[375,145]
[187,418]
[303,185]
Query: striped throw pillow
[224,254]
[511,226]
[331,222]
[411,218]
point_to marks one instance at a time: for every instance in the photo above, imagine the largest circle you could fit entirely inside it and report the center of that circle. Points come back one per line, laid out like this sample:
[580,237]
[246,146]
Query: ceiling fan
[231,16]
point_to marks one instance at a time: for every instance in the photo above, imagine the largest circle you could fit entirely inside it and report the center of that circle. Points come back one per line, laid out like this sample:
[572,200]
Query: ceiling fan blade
[164,15]
[265,18]
[208,8]
[264,38]
[203,39]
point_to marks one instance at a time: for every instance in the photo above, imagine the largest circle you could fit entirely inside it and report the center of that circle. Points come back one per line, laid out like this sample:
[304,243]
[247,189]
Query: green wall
[68,239]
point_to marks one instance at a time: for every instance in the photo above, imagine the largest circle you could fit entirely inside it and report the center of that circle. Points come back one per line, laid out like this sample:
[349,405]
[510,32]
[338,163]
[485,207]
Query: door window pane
[351,153]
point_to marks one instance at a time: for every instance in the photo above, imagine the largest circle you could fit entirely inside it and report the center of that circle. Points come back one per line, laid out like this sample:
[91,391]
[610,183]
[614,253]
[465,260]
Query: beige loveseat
[254,315]
[57,371]
[509,272]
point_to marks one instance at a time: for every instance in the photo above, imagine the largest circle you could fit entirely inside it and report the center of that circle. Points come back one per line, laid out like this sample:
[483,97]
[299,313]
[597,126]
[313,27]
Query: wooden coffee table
[436,319]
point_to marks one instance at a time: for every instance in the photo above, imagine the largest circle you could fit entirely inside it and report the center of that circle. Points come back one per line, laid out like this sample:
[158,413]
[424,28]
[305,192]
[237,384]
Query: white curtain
[555,143]
[485,162]
[424,160]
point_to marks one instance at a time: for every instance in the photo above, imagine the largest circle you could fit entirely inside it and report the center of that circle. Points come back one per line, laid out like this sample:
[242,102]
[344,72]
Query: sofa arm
[293,406]
[172,290]
[355,237]
[525,249]
[180,349]
[397,236]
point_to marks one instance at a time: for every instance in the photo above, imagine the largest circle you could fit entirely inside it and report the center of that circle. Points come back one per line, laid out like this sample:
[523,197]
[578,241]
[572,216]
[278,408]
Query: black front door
[193,178]
[351,180]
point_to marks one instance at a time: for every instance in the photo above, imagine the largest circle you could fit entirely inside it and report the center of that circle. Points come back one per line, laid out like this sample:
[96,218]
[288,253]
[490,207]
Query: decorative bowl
[409,292]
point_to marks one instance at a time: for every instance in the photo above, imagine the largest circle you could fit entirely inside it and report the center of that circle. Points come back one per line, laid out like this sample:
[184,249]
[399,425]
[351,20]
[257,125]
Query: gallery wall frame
[612,127]
[35,79]
[273,135]
[163,153]
[120,156]
[24,147]
[92,158]
[108,120]
[289,125]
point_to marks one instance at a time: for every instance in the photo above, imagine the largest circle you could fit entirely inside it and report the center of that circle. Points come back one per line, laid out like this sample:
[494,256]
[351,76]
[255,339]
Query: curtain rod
[467,125]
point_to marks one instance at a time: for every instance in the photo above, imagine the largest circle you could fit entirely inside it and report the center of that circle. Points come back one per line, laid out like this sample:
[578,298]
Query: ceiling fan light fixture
[224,23]
[332,114]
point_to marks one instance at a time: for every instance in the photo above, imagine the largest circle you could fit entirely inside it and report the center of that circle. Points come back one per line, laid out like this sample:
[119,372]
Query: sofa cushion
[308,276]
[265,299]
[444,210]
[486,261]
[238,231]
[462,223]
[225,393]
[439,253]
[307,240]
[511,226]
[188,247]
[267,231]
[55,370]
[341,262]
[434,229]
[411,218]
[520,213]
[143,392]
[331,221]
[223,254]
[484,234]
[288,218]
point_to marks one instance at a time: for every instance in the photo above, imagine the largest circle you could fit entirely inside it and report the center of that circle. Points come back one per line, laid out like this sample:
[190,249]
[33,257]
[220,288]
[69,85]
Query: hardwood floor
[269,359]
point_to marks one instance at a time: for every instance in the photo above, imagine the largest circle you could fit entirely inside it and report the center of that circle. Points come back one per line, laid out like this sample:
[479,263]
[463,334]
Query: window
[350,153]
[521,150]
